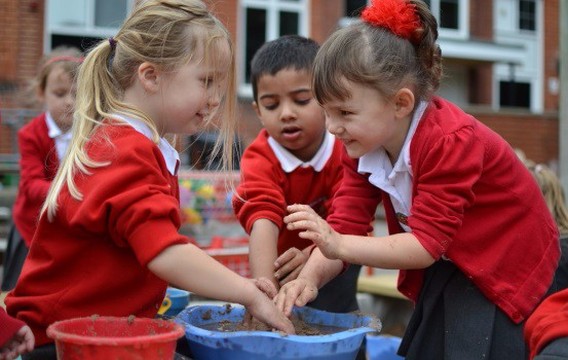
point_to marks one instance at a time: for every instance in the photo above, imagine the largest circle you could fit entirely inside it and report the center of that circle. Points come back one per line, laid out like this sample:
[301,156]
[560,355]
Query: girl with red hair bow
[469,229]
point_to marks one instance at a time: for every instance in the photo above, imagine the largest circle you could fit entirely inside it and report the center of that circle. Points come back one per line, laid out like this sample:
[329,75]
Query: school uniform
[460,189]
[546,330]
[273,178]
[9,326]
[42,145]
[92,258]
[39,161]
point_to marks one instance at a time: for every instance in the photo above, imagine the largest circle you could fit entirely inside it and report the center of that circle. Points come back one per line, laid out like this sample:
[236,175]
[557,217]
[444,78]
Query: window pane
[255,35]
[289,23]
[110,13]
[81,42]
[354,7]
[527,11]
[515,94]
[449,14]
[71,13]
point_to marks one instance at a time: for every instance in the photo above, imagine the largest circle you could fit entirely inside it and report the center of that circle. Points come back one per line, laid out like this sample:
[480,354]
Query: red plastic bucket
[109,338]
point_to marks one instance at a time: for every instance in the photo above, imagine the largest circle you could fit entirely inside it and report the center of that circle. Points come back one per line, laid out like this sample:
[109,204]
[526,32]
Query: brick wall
[481,19]
[325,15]
[551,52]
[536,135]
[21,47]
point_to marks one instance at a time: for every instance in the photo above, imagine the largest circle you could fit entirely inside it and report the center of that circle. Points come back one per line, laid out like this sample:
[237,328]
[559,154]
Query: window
[452,16]
[354,7]
[82,22]
[265,20]
[515,94]
[527,15]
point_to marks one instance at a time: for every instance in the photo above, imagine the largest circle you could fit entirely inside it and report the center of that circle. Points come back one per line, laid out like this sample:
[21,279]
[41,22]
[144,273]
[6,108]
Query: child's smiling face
[290,114]
[366,121]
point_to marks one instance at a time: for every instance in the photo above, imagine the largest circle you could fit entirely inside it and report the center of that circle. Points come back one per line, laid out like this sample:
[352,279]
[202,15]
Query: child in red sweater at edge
[16,338]
[292,160]
[546,330]
[107,242]
[42,144]
[470,231]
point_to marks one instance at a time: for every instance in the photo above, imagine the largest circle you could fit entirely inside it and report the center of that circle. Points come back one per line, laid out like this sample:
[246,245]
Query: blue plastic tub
[179,301]
[382,347]
[256,345]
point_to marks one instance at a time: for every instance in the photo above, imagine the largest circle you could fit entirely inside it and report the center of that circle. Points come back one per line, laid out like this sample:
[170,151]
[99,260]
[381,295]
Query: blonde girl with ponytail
[107,241]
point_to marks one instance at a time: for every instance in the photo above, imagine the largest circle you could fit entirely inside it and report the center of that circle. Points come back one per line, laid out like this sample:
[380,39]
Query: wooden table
[383,285]
[392,308]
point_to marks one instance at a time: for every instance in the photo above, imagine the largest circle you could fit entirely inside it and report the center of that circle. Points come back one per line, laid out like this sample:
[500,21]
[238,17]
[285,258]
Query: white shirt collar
[377,161]
[289,162]
[170,154]
[53,130]
[60,138]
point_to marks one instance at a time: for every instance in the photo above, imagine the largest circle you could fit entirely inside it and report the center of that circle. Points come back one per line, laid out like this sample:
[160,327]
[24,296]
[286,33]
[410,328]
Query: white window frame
[272,8]
[462,32]
[87,30]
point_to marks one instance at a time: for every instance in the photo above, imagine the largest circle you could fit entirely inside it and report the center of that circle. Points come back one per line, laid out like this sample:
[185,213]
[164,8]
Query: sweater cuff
[9,326]
[150,240]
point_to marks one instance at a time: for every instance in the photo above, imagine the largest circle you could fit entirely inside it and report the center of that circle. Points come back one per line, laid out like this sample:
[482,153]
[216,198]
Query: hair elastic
[112,43]
[397,16]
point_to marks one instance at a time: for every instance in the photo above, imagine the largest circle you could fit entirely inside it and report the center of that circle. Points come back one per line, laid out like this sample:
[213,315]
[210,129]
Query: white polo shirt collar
[60,138]
[170,154]
[395,180]
[289,162]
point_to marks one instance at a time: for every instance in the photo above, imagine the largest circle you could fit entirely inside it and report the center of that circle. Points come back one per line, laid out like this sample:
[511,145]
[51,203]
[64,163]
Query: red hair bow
[398,16]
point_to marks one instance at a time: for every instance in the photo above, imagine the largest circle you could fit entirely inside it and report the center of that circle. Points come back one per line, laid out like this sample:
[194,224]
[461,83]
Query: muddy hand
[313,227]
[298,292]
[288,265]
[22,342]
[266,286]
[264,310]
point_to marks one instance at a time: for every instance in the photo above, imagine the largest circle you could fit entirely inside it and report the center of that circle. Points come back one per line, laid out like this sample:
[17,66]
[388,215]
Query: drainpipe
[563,113]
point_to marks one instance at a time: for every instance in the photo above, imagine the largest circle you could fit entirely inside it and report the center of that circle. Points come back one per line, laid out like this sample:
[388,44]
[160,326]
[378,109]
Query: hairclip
[112,43]
[63,58]
[398,16]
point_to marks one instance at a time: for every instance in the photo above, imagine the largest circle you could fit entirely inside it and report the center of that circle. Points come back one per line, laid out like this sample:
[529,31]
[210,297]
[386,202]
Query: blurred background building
[501,57]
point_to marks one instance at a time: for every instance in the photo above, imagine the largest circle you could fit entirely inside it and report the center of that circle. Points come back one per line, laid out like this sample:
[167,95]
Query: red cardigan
[548,322]
[92,258]
[267,189]
[38,166]
[472,201]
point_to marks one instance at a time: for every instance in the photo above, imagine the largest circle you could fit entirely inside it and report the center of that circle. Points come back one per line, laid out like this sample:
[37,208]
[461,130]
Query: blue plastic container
[179,301]
[382,347]
[257,345]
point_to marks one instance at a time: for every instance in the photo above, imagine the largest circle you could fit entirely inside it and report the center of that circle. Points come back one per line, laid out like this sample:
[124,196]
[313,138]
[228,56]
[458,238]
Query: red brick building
[501,56]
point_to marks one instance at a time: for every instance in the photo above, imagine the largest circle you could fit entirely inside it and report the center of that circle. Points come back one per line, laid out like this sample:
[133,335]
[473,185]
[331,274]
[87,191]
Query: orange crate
[235,259]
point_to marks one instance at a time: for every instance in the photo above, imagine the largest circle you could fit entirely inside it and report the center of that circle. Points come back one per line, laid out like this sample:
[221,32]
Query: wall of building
[551,55]
[536,135]
[21,47]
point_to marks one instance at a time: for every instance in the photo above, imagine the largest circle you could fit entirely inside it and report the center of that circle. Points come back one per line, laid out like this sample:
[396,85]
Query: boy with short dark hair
[292,160]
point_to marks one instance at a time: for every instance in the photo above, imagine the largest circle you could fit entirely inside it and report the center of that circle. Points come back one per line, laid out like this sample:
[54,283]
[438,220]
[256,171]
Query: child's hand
[21,343]
[288,265]
[263,309]
[266,286]
[298,292]
[303,217]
